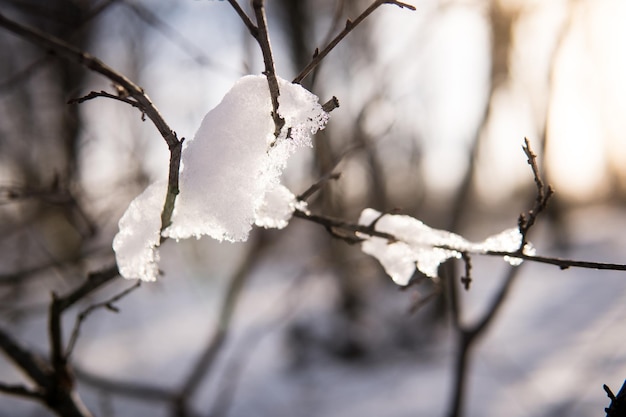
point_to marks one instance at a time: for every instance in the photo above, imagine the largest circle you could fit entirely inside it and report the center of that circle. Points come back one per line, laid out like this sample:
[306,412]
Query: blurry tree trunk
[501,23]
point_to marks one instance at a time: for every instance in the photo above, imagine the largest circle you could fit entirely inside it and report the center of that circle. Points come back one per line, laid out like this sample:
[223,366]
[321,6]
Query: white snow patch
[419,245]
[277,208]
[135,244]
[230,173]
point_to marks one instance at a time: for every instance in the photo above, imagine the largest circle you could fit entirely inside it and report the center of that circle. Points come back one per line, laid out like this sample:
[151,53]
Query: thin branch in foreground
[102,93]
[254,31]
[544,192]
[318,56]
[108,304]
[263,38]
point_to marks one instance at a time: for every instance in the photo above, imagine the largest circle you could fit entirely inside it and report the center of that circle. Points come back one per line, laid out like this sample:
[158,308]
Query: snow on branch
[229,176]
[418,245]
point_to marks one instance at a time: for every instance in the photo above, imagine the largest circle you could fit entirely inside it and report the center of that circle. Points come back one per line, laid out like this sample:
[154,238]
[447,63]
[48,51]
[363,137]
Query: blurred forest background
[435,106]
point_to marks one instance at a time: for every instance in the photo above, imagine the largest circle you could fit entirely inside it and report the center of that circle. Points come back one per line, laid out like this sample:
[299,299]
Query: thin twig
[254,31]
[102,93]
[318,185]
[544,192]
[108,304]
[263,38]
[349,26]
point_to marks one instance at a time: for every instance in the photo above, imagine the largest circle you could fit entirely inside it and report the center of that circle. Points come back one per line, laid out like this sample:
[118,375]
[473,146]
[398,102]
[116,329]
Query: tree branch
[254,31]
[61,48]
[263,38]
[544,192]
[318,56]
[32,365]
[108,304]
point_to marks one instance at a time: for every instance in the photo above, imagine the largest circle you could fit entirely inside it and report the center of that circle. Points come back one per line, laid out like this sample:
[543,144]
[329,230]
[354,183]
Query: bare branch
[263,38]
[104,94]
[108,304]
[61,48]
[33,366]
[350,25]
[254,31]
[544,192]
[316,187]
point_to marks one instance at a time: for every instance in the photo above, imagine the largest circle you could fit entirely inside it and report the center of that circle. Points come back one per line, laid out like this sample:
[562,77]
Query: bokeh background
[435,106]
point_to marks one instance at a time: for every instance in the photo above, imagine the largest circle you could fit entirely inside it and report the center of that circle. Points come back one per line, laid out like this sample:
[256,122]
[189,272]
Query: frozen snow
[421,246]
[136,243]
[230,174]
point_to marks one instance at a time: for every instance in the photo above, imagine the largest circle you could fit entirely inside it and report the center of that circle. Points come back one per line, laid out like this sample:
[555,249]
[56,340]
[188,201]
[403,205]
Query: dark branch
[318,185]
[103,93]
[254,31]
[331,104]
[33,366]
[108,304]
[350,25]
[544,192]
[263,38]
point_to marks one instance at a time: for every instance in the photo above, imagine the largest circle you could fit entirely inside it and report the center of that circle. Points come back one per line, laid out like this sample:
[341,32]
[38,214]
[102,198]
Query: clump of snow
[235,159]
[421,246]
[277,208]
[136,243]
[229,176]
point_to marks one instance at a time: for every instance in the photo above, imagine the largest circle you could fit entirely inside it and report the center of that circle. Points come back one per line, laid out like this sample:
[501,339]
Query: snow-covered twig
[347,231]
